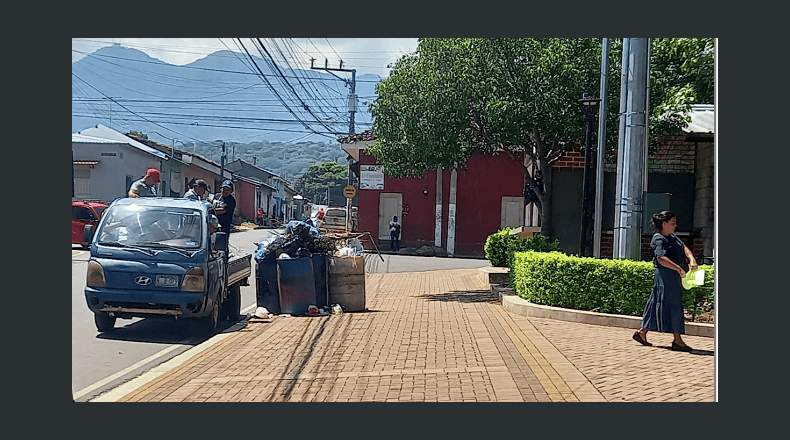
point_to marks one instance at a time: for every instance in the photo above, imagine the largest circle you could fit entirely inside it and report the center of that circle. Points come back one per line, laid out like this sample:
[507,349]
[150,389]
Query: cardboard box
[525,231]
[347,282]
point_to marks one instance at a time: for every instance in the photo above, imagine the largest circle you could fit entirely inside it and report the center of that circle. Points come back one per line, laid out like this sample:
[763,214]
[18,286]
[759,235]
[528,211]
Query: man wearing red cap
[145,187]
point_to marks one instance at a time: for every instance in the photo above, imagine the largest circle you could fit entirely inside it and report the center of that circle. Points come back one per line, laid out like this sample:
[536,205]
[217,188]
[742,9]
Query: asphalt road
[101,362]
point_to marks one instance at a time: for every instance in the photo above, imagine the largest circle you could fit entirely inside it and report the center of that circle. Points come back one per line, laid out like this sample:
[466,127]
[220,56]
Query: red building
[456,213]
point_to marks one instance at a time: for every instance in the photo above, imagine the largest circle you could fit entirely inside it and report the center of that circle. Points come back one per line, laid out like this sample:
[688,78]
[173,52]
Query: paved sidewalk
[431,336]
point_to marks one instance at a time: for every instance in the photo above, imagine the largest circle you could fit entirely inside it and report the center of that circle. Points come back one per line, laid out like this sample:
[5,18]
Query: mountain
[286,123]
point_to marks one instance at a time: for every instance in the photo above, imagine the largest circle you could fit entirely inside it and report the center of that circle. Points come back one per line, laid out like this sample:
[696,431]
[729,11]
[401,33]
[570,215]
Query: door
[512,212]
[390,204]
[81,216]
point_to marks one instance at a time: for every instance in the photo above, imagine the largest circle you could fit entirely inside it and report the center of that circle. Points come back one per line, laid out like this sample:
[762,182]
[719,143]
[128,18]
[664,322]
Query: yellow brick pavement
[434,336]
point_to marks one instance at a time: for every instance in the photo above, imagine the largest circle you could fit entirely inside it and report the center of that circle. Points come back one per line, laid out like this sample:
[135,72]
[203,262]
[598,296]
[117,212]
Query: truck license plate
[167,280]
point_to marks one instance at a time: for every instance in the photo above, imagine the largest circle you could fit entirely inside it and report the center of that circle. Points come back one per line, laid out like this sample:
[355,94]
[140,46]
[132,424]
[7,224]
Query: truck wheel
[232,306]
[211,321]
[104,322]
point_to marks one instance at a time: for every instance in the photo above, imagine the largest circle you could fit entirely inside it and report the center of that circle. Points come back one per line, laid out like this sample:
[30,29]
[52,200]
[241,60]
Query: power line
[111,99]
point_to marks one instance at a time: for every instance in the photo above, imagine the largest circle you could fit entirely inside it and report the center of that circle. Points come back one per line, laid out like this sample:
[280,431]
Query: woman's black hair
[660,217]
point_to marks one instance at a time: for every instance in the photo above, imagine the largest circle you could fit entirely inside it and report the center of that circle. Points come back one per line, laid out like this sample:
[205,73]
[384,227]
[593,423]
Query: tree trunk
[545,212]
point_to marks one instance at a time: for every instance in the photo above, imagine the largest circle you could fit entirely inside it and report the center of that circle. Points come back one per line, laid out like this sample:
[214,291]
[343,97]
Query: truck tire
[211,321]
[104,322]
[232,306]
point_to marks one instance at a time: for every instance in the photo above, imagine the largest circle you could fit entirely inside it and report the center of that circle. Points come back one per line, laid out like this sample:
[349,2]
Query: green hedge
[500,246]
[607,286]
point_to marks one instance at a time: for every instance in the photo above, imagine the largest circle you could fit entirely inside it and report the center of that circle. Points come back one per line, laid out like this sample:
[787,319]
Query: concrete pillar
[451,213]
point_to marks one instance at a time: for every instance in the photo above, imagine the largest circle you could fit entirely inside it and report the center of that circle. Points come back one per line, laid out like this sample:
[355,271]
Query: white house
[106,162]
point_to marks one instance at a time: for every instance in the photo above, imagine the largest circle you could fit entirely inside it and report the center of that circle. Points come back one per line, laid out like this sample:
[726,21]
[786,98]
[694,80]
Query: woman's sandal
[638,338]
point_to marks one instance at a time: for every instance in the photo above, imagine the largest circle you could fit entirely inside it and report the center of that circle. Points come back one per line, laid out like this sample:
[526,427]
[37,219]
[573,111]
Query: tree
[312,184]
[457,97]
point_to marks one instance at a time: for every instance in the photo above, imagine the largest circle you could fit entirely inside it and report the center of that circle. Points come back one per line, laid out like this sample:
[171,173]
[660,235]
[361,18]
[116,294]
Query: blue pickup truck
[156,257]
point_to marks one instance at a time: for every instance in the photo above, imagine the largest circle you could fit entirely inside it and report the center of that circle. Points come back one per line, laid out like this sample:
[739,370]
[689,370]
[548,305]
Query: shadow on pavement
[164,331]
[465,296]
[695,351]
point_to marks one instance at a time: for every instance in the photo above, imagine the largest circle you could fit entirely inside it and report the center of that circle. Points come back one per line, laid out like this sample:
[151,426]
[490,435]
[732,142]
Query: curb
[117,393]
[515,304]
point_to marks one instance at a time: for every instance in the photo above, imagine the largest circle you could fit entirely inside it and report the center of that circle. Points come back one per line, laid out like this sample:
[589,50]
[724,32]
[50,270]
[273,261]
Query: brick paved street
[435,336]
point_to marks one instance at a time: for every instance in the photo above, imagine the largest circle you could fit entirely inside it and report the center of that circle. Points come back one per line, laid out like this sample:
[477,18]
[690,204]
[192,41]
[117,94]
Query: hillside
[220,97]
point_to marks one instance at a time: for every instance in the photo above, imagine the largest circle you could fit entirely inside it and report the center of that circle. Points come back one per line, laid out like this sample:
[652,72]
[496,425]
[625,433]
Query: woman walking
[672,259]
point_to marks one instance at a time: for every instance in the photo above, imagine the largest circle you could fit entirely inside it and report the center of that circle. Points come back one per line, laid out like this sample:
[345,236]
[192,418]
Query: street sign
[349,191]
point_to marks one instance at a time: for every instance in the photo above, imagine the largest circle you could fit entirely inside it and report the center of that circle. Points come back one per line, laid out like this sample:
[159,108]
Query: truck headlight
[95,275]
[194,280]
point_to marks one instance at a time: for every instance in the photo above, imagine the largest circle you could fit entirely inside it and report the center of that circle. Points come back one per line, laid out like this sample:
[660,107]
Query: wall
[108,177]
[674,168]
[479,197]
[244,192]
[478,202]
[705,198]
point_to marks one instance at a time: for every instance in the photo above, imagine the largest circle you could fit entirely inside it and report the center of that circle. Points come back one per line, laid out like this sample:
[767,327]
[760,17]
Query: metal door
[390,204]
[512,212]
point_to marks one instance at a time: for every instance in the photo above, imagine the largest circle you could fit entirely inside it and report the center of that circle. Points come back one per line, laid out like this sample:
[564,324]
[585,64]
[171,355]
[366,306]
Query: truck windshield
[135,224]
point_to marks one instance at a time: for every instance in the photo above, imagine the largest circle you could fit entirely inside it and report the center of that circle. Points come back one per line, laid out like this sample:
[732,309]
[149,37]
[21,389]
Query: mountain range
[284,118]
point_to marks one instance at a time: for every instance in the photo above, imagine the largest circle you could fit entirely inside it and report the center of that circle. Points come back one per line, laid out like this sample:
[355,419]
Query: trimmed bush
[500,246]
[496,247]
[600,285]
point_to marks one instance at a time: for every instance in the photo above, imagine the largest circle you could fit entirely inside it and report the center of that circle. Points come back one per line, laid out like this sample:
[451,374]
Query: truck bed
[239,269]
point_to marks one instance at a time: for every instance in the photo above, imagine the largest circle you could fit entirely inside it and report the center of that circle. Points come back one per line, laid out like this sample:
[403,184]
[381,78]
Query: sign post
[349,191]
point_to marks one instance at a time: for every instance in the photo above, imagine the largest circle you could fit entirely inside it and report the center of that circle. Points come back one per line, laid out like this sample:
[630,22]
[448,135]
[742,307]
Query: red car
[84,213]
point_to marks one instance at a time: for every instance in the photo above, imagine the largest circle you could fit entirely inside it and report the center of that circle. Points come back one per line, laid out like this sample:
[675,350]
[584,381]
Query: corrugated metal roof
[702,119]
[76,137]
[105,132]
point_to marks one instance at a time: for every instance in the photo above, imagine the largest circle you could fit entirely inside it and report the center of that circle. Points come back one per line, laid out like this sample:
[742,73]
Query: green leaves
[601,285]
[502,245]
[318,175]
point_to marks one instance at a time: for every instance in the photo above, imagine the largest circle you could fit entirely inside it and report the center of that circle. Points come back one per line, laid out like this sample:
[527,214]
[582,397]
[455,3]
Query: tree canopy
[315,179]
[459,96]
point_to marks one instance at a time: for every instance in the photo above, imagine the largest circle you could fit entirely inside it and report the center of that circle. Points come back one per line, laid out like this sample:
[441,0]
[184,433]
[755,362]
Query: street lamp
[590,111]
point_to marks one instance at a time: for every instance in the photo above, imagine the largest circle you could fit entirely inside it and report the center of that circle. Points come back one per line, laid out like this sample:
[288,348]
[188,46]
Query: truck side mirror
[221,241]
[87,233]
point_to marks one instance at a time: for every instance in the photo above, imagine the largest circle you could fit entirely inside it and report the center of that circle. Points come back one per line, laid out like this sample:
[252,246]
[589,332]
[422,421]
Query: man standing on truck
[145,187]
[198,191]
[224,205]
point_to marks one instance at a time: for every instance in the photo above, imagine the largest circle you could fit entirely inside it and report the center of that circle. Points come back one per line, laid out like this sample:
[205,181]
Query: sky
[366,55]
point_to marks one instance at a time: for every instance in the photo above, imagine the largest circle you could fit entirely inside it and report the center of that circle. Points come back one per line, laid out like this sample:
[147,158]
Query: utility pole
[222,163]
[630,154]
[598,212]
[352,98]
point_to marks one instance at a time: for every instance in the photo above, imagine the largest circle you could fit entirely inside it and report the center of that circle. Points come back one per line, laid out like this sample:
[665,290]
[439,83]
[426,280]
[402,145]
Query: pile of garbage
[298,241]
[312,310]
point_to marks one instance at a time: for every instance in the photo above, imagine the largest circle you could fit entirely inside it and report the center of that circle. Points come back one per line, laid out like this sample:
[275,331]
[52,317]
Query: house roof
[101,131]
[702,119]
[76,137]
[366,135]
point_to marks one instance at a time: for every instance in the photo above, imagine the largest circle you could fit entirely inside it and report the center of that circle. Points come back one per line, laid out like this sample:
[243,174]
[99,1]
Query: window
[82,182]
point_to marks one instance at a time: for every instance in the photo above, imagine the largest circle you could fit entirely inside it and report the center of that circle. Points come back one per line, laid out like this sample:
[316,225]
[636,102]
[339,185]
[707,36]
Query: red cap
[153,172]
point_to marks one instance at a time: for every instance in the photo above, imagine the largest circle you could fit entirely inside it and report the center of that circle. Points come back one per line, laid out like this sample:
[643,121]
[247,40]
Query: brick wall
[673,155]
[570,160]
[695,244]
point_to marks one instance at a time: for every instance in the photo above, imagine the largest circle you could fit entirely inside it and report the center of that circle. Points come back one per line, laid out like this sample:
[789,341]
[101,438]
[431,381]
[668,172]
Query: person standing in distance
[198,191]
[145,187]
[672,259]
[394,234]
[224,205]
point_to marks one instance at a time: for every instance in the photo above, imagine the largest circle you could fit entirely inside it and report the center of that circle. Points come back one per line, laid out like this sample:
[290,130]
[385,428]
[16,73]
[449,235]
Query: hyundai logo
[143,280]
